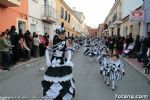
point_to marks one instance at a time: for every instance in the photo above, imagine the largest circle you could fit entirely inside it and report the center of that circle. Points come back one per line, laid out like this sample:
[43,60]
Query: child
[105,68]
[116,70]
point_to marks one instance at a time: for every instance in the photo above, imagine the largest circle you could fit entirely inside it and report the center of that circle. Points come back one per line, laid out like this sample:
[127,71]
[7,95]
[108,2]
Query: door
[32,28]
[22,26]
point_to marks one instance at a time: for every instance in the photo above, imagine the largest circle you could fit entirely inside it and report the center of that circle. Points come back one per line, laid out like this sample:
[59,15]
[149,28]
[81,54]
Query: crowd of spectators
[138,48]
[20,47]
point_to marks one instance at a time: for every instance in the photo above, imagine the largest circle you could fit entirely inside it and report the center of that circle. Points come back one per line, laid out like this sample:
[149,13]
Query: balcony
[10,3]
[48,14]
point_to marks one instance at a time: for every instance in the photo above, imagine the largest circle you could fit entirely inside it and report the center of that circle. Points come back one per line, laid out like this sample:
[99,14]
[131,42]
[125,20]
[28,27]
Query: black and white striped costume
[58,83]
[105,66]
[116,72]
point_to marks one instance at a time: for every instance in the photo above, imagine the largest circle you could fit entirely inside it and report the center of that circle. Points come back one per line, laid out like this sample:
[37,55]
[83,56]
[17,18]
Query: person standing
[36,43]
[4,49]
[14,38]
[58,83]
[29,41]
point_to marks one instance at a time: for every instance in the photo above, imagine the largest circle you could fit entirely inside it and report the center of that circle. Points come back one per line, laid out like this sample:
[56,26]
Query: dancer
[116,71]
[58,83]
[105,68]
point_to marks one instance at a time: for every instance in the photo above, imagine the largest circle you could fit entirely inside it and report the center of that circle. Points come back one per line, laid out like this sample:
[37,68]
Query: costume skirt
[58,83]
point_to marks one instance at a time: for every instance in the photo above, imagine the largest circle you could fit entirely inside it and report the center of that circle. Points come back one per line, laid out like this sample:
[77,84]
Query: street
[25,81]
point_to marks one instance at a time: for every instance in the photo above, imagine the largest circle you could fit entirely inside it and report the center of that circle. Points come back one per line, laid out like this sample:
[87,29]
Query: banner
[137,15]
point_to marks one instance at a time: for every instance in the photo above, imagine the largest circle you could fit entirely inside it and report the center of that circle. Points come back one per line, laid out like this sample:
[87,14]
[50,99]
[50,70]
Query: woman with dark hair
[58,83]
[4,49]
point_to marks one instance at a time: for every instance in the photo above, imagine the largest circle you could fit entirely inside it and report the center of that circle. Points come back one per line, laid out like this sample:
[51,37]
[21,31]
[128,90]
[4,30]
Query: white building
[75,25]
[127,26]
[82,29]
[118,18]
[42,16]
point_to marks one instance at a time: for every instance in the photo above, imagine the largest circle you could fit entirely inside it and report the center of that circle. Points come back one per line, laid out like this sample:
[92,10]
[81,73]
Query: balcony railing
[10,3]
[48,14]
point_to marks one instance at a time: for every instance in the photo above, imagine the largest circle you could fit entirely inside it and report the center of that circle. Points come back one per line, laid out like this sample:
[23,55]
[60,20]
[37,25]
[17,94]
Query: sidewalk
[19,64]
[137,66]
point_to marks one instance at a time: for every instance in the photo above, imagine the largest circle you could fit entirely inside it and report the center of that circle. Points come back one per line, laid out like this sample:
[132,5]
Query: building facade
[147,17]
[43,19]
[66,15]
[83,28]
[118,20]
[100,30]
[13,12]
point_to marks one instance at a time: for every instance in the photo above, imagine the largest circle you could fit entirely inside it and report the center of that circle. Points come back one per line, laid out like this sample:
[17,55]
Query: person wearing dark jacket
[29,40]
[111,44]
[14,41]
[145,46]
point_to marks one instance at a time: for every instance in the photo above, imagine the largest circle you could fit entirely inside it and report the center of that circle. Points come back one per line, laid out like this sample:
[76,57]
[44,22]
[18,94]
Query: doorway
[22,26]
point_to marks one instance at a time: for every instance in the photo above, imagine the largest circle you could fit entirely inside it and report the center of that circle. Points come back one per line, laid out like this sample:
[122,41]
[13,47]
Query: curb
[22,64]
[137,69]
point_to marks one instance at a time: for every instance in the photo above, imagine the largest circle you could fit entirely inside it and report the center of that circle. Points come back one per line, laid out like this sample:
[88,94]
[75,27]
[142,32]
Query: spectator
[14,41]
[36,43]
[111,44]
[137,44]
[23,50]
[46,36]
[4,49]
[29,40]
[10,50]
[145,46]
[41,46]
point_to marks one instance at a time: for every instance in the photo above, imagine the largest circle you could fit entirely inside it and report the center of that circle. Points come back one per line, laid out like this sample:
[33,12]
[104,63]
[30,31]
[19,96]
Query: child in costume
[105,68]
[116,70]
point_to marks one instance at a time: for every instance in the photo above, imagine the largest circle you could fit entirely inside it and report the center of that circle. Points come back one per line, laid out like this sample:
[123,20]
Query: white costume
[105,69]
[116,72]
[58,82]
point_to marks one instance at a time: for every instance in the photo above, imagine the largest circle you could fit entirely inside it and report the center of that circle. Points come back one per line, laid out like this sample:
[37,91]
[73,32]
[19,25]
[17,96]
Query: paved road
[90,85]
[25,81]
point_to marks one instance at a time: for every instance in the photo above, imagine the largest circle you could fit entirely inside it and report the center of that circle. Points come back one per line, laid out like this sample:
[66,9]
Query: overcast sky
[95,11]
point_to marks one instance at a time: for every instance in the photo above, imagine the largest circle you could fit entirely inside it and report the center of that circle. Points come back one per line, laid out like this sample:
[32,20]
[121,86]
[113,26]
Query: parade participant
[116,71]
[58,83]
[105,68]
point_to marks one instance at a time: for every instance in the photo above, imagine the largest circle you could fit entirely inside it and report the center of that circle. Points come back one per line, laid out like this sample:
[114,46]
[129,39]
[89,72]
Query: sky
[95,11]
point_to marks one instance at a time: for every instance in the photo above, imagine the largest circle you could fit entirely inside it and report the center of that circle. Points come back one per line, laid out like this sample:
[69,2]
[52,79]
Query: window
[68,18]
[66,15]
[36,1]
[32,28]
[118,32]
[148,27]
[125,31]
[62,13]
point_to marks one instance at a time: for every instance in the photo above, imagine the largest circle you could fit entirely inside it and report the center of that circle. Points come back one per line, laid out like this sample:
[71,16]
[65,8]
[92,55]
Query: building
[94,32]
[13,12]
[43,19]
[118,20]
[100,30]
[89,30]
[113,20]
[131,26]
[66,15]
[147,17]
[81,17]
